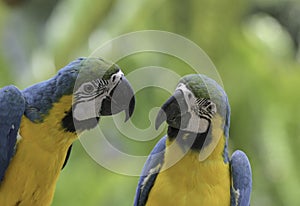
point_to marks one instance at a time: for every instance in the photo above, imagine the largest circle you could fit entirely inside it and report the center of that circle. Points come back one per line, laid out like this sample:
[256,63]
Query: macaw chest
[31,176]
[190,182]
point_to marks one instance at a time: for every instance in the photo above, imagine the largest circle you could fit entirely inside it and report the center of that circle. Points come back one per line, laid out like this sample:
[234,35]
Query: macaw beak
[121,98]
[174,111]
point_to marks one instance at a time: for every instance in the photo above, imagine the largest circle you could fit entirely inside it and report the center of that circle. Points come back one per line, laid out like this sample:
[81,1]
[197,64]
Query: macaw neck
[188,140]
[53,99]
[40,97]
[184,144]
[50,133]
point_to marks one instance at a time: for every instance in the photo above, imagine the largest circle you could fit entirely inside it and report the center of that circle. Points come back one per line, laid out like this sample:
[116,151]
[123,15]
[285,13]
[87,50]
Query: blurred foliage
[254,52]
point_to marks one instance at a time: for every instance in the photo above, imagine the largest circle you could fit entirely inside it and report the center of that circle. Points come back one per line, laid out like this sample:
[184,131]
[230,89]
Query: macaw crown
[85,70]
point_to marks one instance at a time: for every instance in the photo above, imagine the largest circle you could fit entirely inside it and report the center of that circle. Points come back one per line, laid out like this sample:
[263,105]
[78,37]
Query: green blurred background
[253,44]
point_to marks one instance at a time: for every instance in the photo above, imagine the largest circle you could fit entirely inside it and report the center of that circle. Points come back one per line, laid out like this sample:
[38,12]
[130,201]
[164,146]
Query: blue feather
[241,179]
[155,158]
[12,106]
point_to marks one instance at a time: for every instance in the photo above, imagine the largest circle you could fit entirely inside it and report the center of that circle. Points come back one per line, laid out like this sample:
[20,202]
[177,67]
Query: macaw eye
[88,88]
[115,78]
[209,108]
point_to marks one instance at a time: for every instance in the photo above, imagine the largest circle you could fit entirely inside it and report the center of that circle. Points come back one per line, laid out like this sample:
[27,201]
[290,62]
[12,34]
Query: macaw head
[197,102]
[100,89]
[97,87]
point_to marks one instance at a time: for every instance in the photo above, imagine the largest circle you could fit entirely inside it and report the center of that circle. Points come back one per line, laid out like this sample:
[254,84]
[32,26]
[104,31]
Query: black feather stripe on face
[205,108]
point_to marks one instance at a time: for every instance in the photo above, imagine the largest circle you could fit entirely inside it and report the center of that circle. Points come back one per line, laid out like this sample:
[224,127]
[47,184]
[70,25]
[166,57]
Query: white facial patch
[90,95]
[196,123]
[87,110]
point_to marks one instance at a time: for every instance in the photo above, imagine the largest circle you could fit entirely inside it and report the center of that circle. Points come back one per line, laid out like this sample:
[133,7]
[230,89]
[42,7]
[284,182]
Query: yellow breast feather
[43,146]
[201,182]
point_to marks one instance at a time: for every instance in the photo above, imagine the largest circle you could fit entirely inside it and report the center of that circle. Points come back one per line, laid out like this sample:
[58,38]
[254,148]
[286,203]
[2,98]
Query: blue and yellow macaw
[190,166]
[39,124]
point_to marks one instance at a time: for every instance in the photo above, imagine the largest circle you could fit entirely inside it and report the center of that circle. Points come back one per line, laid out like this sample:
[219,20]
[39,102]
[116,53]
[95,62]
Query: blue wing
[149,173]
[241,179]
[12,106]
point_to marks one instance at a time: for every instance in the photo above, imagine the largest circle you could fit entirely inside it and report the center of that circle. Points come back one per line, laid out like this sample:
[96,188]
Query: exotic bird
[190,166]
[39,124]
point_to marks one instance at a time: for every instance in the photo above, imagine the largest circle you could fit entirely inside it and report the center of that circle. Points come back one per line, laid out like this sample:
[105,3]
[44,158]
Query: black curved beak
[121,98]
[174,111]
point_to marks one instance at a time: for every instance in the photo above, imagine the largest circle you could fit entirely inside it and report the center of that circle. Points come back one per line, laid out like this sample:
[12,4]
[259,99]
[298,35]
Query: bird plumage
[190,166]
[39,124]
